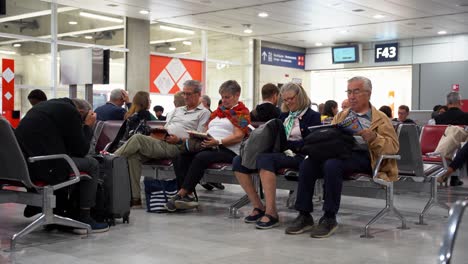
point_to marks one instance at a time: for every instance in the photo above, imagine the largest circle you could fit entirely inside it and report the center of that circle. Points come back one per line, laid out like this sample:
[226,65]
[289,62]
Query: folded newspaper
[196,134]
[349,125]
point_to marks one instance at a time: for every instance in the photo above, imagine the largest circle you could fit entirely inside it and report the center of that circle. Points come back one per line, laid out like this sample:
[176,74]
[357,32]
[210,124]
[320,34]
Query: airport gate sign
[283,58]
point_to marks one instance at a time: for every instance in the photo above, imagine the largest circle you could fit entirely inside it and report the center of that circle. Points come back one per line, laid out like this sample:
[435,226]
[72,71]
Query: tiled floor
[209,236]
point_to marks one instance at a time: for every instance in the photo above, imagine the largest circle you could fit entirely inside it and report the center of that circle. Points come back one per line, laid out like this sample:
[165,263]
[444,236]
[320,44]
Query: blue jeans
[332,171]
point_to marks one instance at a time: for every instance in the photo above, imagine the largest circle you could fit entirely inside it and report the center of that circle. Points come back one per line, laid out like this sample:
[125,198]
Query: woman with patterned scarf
[227,127]
[297,116]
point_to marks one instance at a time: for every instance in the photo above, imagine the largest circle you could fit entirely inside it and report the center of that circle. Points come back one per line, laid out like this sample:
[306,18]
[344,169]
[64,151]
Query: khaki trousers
[139,149]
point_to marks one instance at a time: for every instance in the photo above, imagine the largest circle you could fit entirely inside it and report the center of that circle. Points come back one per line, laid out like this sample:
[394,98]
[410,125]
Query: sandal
[250,219]
[273,222]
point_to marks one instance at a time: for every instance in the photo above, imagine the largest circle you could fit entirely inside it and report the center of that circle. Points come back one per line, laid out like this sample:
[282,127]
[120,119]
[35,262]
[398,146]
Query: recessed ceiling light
[188,43]
[72,22]
[318,44]
[358,10]
[17,45]
[263,14]
[144,12]
[344,31]
[247,29]
[442,32]
[172,48]
[88,37]
[378,16]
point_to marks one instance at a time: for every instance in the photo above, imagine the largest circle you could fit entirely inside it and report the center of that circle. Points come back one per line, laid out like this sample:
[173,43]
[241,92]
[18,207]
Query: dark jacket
[407,121]
[454,116]
[53,127]
[264,112]
[310,118]
[110,111]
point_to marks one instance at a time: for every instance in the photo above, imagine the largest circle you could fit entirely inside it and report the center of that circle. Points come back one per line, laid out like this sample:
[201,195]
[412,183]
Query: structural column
[256,72]
[138,57]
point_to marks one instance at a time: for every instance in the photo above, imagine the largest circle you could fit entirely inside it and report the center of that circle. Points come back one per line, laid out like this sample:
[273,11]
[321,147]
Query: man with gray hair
[376,137]
[62,126]
[453,116]
[140,148]
[113,110]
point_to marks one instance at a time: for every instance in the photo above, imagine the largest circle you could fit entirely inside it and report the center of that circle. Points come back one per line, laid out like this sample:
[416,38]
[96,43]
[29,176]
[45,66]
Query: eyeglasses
[289,99]
[187,94]
[355,91]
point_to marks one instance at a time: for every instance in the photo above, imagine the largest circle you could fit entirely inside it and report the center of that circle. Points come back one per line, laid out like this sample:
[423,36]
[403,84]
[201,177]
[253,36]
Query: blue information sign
[386,52]
[283,58]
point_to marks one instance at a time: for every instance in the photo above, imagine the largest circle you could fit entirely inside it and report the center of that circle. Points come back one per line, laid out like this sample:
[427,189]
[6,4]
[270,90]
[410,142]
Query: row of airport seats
[418,173]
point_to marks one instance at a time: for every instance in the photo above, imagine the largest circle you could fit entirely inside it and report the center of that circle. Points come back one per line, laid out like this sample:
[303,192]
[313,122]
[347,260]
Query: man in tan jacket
[376,138]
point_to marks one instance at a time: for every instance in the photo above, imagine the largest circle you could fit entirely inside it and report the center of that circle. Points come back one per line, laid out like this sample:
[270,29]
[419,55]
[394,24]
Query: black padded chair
[14,172]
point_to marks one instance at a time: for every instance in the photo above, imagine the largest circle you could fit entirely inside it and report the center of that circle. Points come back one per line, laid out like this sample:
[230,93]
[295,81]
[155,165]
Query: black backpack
[328,143]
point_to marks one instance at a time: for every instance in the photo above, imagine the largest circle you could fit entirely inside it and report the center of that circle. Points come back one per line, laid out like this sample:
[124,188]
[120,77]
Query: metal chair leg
[380,215]
[31,227]
[432,201]
[234,207]
[402,218]
[60,220]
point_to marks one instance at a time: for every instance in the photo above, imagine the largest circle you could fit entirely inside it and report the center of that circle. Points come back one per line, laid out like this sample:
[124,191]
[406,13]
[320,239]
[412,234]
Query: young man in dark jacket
[267,109]
[62,126]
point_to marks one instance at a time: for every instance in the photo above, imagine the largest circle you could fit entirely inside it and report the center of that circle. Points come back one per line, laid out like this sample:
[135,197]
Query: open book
[199,135]
[350,125]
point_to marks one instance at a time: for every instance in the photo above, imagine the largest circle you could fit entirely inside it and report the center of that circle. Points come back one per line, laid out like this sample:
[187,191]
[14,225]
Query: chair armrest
[454,222]
[444,163]
[375,173]
[76,172]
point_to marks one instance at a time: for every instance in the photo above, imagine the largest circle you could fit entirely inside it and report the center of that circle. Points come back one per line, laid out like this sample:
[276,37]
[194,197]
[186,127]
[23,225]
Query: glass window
[176,40]
[90,27]
[26,17]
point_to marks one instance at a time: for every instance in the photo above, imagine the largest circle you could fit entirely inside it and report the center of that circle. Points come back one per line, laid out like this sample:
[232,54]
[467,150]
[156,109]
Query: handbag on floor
[157,193]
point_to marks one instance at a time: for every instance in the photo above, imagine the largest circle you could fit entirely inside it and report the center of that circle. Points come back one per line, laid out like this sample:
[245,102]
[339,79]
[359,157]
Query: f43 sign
[386,52]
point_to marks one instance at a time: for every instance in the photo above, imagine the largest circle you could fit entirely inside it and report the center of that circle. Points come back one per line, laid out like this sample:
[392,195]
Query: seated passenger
[139,148]
[378,137]
[297,116]
[159,110]
[330,109]
[36,96]
[178,102]
[227,127]
[137,113]
[113,109]
[344,104]
[267,109]
[403,112]
[386,110]
[205,100]
[460,159]
[62,126]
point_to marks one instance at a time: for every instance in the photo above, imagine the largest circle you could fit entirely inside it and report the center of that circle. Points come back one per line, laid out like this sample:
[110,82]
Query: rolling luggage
[115,189]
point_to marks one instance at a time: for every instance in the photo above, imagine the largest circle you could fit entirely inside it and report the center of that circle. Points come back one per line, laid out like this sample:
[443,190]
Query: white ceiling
[300,23]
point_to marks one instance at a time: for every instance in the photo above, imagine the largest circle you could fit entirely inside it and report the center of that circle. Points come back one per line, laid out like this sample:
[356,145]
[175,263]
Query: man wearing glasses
[377,137]
[140,148]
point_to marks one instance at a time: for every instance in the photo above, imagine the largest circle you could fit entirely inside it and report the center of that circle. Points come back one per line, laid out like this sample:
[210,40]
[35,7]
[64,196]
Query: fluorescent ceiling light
[378,16]
[263,14]
[17,45]
[172,48]
[101,17]
[180,30]
[167,40]
[88,37]
[442,32]
[318,44]
[248,31]
[188,43]
[7,52]
[144,12]
[72,22]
